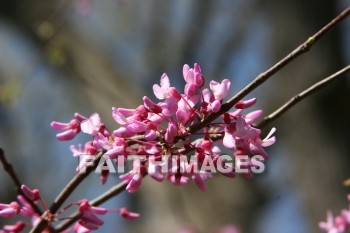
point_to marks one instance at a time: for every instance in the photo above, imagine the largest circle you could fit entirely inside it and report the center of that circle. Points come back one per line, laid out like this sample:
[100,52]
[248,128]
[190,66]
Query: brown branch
[11,172]
[301,49]
[112,192]
[66,192]
[302,95]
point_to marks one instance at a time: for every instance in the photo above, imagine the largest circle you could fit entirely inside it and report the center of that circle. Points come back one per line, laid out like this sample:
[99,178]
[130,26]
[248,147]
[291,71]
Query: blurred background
[58,57]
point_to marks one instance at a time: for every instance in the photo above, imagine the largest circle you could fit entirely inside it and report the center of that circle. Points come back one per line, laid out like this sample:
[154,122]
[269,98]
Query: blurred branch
[11,172]
[302,95]
[301,49]
[66,192]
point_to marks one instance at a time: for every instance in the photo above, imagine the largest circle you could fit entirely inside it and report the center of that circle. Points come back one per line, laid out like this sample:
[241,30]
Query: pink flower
[256,145]
[18,227]
[71,129]
[26,210]
[220,90]
[92,125]
[162,91]
[31,194]
[245,103]
[185,112]
[130,125]
[213,105]
[193,75]
[125,213]
[151,106]
[9,210]
[199,178]
[85,154]
[169,106]
[338,224]
[89,219]
[171,132]
[78,228]
[134,177]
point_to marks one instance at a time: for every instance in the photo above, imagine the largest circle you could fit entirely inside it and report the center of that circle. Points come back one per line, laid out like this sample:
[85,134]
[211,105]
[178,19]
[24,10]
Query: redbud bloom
[26,210]
[125,213]
[131,125]
[169,106]
[229,140]
[134,177]
[252,116]
[18,227]
[193,75]
[78,228]
[190,90]
[162,91]
[150,135]
[89,218]
[245,103]
[220,90]
[9,210]
[31,194]
[171,132]
[71,129]
[199,178]
[151,106]
[92,125]
[256,145]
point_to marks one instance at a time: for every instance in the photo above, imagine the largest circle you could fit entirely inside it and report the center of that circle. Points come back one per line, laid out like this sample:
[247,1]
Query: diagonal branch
[66,192]
[301,49]
[11,172]
[302,95]
[112,192]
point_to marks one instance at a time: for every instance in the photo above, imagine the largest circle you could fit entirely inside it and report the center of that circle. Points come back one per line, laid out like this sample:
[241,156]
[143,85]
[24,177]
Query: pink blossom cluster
[22,207]
[339,223]
[87,223]
[161,129]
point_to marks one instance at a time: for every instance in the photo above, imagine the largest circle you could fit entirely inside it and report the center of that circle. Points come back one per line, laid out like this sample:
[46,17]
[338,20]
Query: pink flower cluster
[22,207]
[87,223]
[338,224]
[160,129]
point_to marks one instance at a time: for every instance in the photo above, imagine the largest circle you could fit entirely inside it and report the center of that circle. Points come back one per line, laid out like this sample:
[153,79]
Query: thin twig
[66,192]
[112,192]
[11,172]
[301,49]
[302,95]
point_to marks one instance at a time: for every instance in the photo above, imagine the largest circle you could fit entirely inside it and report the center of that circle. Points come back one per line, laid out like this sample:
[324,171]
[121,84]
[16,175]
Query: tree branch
[302,95]
[66,192]
[301,49]
[112,192]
